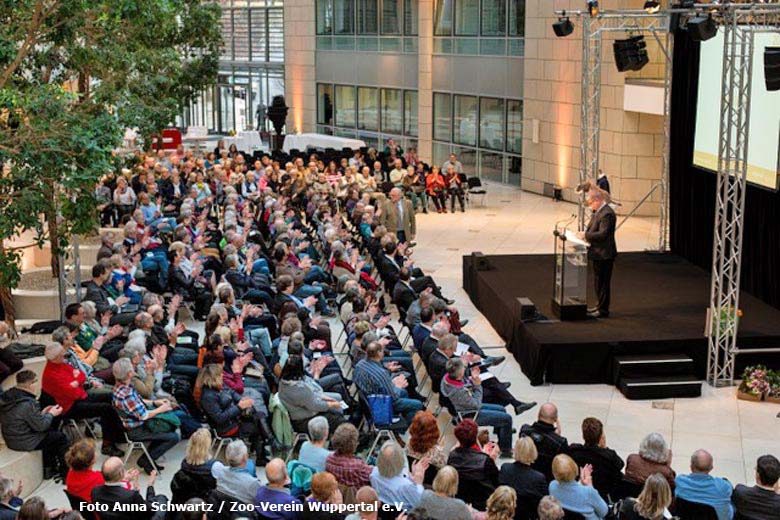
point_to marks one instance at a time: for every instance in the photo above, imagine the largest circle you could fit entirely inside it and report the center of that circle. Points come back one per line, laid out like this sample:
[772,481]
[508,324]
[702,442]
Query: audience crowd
[281,409]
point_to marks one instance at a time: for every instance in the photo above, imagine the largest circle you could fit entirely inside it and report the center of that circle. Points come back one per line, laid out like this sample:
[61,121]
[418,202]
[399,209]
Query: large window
[392,16]
[442,116]
[410,112]
[344,16]
[367,16]
[410,17]
[493,17]
[464,120]
[516,17]
[324,11]
[324,104]
[345,105]
[491,123]
[514,126]
[466,17]
[368,108]
[392,111]
[257,33]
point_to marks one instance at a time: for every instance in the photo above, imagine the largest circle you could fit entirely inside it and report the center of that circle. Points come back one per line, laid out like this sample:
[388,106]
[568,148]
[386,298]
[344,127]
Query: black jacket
[24,426]
[529,484]
[192,481]
[601,234]
[403,295]
[548,444]
[221,408]
[478,475]
[99,295]
[111,495]
[607,466]
[180,283]
[389,271]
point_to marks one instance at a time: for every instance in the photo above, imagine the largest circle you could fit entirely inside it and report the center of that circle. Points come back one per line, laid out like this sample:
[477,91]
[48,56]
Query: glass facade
[381,113]
[251,69]
[367,25]
[485,133]
[479,27]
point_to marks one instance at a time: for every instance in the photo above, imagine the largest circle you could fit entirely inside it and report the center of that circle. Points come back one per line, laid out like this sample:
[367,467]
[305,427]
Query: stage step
[660,387]
[651,365]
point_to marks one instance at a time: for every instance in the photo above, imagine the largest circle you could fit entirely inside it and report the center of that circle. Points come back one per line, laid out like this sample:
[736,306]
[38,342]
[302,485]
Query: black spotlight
[630,54]
[563,27]
[652,6]
[702,28]
[772,68]
[593,7]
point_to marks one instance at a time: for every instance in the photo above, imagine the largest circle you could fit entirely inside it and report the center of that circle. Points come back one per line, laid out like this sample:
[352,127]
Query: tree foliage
[73,75]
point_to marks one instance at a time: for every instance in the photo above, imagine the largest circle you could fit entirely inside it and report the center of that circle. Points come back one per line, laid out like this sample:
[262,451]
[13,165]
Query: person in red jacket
[64,384]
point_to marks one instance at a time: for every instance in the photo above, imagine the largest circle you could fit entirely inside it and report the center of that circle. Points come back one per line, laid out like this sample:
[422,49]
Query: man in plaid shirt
[134,414]
[371,377]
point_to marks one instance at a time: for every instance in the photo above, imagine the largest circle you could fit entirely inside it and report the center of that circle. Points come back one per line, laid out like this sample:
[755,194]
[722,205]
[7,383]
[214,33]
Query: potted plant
[754,385]
[773,393]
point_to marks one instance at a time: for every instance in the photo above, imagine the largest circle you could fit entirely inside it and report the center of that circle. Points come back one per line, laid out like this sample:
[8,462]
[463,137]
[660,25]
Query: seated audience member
[654,457]
[313,452]
[136,417]
[760,502]
[546,434]
[276,493]
[550,509]
[702,488]
[9,502]
[34,508]
[26,427]
[9,362]
[232,479]
[65,385]
[304,398]
[476,467]
[194,478]
[440,502]
[391,481]
[465,395]
[196,509]
[91,343]
[324,491]
[113,492]
[426,442]
[501,504]
[577,497]
[81,478]
[529,484]
[652,502]
[349,470]
[371,377]
[97,292]
[606,463]
[368,505]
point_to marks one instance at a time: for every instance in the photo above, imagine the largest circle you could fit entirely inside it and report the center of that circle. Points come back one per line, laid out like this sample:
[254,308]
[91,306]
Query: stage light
[652,6]
[563,27]
[772,68]
[593,7]
[630,54]
[702,29]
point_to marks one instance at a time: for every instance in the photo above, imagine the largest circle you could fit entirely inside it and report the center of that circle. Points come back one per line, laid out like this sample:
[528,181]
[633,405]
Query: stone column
[300,89]
[424,81]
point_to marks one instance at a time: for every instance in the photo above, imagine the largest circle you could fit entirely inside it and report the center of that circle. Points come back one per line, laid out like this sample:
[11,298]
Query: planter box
[749,397]
[770,399]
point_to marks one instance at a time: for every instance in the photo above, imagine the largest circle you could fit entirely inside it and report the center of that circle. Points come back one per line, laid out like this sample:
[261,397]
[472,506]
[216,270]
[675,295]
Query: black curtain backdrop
[692,192]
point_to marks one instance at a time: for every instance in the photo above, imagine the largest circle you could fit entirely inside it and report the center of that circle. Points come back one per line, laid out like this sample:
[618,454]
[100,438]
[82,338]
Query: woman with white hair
[654,457]
[313,452]
[9,502]
[391,481]
[136,416]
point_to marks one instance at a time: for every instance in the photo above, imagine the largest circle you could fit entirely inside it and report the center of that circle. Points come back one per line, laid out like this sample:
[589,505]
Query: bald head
[701,461]
[113,469]
[276,472]
[548,413]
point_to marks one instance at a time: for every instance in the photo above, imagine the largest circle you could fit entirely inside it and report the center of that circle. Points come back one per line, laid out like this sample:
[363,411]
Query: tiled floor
[736,432]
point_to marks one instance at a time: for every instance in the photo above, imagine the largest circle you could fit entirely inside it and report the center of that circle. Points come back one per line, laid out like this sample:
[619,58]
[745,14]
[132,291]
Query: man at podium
[602,251]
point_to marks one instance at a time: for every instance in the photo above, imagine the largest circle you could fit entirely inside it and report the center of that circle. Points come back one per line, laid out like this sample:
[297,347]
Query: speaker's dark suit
[602,253]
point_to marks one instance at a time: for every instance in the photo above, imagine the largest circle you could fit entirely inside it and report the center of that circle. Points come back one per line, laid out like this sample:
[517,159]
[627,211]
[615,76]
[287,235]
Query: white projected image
[763,147]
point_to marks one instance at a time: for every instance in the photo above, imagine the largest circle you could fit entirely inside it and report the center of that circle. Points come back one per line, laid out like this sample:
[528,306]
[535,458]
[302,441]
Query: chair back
[231,510]
[687,510]
[625,488]
[474,182]
[571,515]
[76,505]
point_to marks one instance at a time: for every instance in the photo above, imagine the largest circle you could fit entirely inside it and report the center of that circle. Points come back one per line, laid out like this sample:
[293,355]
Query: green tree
[73,75]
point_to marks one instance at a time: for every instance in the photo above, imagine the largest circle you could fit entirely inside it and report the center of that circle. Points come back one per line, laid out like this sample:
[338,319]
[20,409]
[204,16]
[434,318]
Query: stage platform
[659,305]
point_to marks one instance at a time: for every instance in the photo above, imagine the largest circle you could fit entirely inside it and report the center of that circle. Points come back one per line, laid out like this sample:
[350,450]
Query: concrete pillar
[424,81]
[300,87]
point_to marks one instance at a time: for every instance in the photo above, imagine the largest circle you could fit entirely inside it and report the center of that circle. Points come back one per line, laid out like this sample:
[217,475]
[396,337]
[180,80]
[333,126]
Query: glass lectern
[569,301]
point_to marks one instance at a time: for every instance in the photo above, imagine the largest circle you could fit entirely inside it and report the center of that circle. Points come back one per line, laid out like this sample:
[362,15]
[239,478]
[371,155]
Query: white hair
[235,453]
[122,368]
[318,429]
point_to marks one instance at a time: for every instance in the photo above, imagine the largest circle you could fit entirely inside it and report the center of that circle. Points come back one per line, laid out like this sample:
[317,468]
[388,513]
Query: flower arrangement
[773,393]
[755,383]
[726,317]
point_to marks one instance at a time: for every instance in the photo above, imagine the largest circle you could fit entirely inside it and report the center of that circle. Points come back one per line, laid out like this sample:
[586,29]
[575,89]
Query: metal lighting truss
[739,23]
[629,21]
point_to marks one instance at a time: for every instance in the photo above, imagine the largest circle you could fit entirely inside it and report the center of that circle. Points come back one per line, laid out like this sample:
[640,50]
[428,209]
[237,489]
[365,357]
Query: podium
[570,301]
